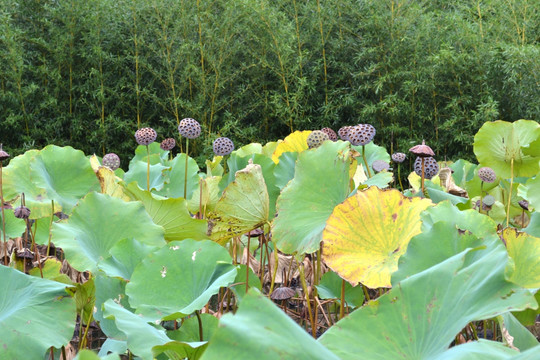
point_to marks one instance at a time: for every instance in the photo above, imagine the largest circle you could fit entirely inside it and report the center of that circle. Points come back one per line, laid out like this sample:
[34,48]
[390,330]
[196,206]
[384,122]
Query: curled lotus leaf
[366,235]
[295,142]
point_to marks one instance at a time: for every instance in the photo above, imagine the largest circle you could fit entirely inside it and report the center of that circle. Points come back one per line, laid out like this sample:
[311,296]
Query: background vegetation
[88,73]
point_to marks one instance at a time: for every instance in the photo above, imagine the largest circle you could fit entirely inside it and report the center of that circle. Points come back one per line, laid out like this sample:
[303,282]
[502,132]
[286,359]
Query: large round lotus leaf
[498,142]
[321,181]
[176,178]
[35,314]
[157,155]
[209,198]
[419,317]
[260,330]
[236,163]
[110,288]
[295,142]
[381,180]
[330,288]
[372,152]
[137,173]
[470,220]
[179,278]
[366,234]
[524,252]
[16,180]
[284,170]
[143,338]
[14,227]
[171,214]
[532,192]
[436,244]
[65,174]
[243,205]
[249,149]
[97,224]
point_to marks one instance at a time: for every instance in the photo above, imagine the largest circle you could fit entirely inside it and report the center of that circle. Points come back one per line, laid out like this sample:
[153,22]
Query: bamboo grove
[88,73]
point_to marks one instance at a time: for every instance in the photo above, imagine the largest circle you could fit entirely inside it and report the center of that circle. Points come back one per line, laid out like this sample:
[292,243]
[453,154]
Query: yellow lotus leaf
[367,233]
[524,265]
[110,183]
[295,142]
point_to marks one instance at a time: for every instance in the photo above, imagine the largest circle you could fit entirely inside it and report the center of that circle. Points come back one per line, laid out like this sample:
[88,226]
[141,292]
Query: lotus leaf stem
[366,292]
[247,264]
[147,168]
[185,174]
[423,175]
[50,228]
[365,161]
[3,217]
[481,196]
[342,305]
[510,192]
[306,294]
[276,262]
[399,176]
[200,324]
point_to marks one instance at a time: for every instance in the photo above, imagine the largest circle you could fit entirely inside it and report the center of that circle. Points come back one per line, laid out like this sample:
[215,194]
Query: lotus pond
[281,250]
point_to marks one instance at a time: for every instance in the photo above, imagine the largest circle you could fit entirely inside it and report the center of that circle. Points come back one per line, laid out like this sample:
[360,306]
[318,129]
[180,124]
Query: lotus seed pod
[486,174]
[167,144]
[189,128]
[223,146]
[524,204]
[422,150]
[112,161]
[369,131]
[344,133]
[145,136]
[331,133]
[3,155]
[398,157]
[431,168]
[22,212]
[488,200]
[316,138]
[361,134]
[380,165]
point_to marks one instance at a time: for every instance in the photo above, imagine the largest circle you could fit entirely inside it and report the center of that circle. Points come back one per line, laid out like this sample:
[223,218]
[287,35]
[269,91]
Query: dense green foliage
[89,73]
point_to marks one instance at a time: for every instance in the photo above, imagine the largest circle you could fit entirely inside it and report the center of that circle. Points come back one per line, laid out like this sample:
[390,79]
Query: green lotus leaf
[421,315]
[157,155]
[480,350]
[64,173]
[90,355]
[284,170]
[239,290]
[126,254]
[479,225]
[523,338]
[380,180]
[321,181]
[532,192]
[179,278]
[534,225]
[51,270]
[140,335]
[171,214]
[210,195]
[137,173]
[269,148]
[214,167]
[266,333]
[35,314]
[180,350]
[330,288]
[97,224]
[366,235]
[176,178]
[189,331]
[498,142]
[16,180]
[236,163]
[249,149]
[436,194]
[14,227]
[110,288]
[113,346]
[524,252]
[373,152]
[244,205]
[436,244]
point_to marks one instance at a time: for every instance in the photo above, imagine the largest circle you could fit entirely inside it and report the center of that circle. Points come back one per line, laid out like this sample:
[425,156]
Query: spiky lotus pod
[189,128]
[112,161]
[380,165]
[361,134]
[331,133]
[398,157]
[223,146]
[316,138]
[22,212]
[145,136]
[431,168]
[344,133]
[168,144]
[3,155]
[486,174]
